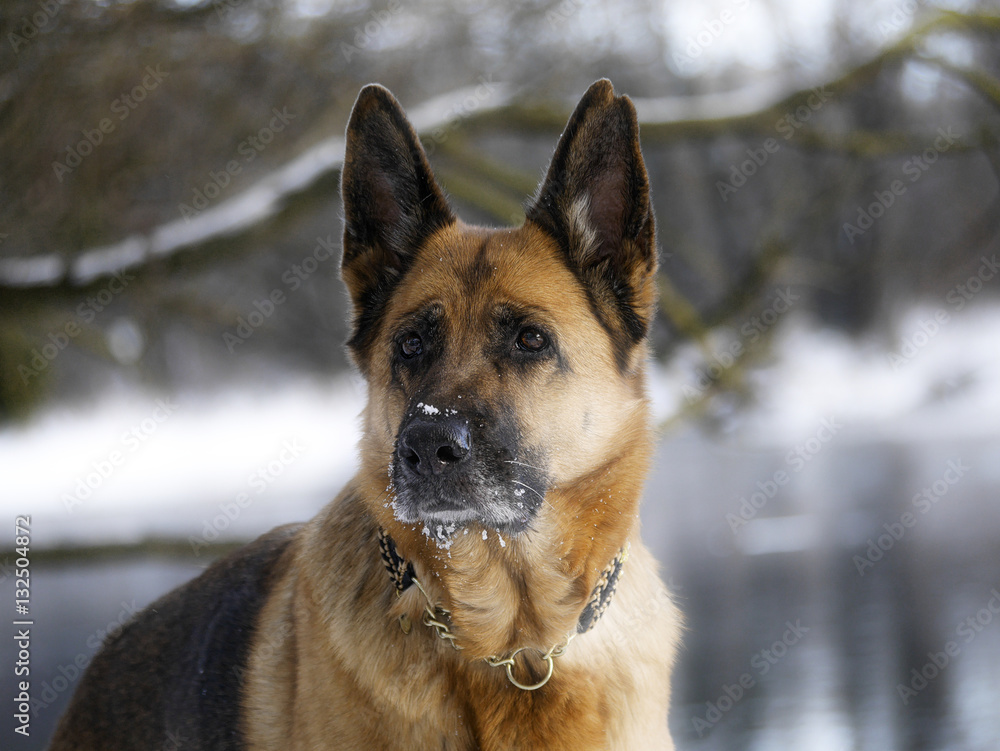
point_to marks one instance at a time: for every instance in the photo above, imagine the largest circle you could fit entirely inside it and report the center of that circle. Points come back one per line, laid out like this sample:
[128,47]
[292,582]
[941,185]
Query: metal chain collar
[403,575]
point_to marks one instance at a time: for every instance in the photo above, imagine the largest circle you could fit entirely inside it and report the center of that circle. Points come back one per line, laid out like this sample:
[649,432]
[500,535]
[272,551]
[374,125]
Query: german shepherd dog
[480,583]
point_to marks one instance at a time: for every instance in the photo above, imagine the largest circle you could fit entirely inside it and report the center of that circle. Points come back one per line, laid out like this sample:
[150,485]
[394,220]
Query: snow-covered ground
[201,468]
[151,465]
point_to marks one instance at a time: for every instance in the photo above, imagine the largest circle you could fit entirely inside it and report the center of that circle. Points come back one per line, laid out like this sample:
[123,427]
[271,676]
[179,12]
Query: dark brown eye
[532,340]
[411,346]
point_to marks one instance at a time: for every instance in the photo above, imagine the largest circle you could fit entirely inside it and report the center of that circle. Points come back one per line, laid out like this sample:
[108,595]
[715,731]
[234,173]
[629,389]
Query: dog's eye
[532,340]
[411,346]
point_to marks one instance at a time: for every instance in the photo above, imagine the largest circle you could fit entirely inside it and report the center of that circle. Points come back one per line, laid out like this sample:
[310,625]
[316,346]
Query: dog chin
[441,523]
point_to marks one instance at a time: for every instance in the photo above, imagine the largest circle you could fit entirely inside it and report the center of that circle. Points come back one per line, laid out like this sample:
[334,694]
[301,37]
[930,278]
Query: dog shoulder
[174,673]
[634,647]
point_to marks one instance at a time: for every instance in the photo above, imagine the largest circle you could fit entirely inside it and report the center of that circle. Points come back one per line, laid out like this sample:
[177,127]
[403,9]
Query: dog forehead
[471,271]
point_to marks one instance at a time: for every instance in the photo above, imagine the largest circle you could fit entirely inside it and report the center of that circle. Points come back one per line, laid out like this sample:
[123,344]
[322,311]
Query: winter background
[825,499]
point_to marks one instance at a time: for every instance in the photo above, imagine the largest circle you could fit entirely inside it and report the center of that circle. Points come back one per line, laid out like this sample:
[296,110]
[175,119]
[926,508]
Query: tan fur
[351,679]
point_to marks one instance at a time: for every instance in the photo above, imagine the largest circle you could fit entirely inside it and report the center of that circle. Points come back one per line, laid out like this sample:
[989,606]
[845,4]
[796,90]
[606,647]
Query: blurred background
[826,497]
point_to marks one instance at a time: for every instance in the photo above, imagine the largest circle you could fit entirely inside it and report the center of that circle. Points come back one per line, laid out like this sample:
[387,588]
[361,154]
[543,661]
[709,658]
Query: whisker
[525,485]
[524,464]
[544,499]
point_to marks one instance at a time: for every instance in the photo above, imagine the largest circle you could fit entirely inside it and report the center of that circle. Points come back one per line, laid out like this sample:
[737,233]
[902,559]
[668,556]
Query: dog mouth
[507,513]
[451,470]
[438,524]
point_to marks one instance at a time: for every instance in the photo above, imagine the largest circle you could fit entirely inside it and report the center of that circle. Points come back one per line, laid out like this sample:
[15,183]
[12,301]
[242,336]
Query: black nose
[434,447]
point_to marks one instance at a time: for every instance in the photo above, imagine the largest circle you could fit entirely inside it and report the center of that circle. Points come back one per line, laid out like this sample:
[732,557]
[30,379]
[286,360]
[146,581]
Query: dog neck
[403,576]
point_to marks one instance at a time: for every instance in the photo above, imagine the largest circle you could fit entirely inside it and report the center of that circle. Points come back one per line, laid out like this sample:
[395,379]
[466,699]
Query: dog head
[505,366]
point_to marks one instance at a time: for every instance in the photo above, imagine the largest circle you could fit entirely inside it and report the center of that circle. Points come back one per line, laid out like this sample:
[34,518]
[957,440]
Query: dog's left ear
[391,202]
[595,202]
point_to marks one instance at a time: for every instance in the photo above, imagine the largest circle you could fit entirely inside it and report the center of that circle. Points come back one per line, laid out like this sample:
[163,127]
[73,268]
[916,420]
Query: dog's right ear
[391,202]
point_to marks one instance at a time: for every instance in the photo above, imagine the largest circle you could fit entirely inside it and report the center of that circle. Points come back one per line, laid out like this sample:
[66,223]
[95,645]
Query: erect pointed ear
[595,202]
[391,200]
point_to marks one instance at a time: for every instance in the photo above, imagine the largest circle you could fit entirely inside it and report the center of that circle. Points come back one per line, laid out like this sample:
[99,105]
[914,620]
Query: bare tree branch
[753,109]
